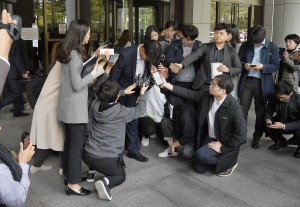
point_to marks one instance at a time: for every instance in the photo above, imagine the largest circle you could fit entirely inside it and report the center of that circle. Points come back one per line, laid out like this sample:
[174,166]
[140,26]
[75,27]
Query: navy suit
[124,73]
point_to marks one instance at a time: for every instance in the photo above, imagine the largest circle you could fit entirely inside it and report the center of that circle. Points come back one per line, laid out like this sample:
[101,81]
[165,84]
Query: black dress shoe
[297,153]
[292,141]
[138,156]
[82,180]
[278,145]
[255,143]
[82,192]
[21,114]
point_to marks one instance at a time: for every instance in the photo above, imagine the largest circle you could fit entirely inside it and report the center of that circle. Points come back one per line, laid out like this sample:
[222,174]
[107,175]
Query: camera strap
[12,30]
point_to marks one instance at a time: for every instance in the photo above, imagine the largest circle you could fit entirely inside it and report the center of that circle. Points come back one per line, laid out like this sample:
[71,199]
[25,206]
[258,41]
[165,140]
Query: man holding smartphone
[259,58]
[286,104]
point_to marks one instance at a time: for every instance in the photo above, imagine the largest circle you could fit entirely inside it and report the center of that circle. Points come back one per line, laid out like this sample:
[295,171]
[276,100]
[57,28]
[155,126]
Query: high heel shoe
[82,192]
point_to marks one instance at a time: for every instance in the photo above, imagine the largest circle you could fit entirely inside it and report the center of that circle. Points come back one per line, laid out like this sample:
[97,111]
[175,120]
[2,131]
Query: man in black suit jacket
[134,61]
[222,128]
[18,60]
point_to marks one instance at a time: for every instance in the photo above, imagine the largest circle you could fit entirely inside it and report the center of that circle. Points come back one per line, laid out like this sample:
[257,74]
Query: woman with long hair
[72,105]
[234,41]
[234,37]
[123,41]
[152,33]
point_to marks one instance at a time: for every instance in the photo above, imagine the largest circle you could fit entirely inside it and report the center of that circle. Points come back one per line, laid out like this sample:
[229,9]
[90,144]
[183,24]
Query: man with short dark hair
[134,61]
[222,128]
[259,58]
[170,29]
[216,51]
[285,103]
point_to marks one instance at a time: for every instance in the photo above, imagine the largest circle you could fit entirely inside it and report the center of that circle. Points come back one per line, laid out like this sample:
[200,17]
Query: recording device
[281,50]
[25,138]
[252,65]
[174,67]
[113,58]
[141,79]
[14,30]
[106,42]
[109,50]
[157,78]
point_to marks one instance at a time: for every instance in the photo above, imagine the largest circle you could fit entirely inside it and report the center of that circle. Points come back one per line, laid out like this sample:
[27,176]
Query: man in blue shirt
[256,78]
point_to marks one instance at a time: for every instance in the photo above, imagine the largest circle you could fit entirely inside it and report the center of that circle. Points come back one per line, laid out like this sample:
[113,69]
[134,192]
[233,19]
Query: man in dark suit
[285,105]
[222,128]
[134,61]
[217,51]
[18,60]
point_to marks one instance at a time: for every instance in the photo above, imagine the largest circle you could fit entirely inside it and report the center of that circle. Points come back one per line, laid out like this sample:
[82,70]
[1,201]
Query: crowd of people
[119,105]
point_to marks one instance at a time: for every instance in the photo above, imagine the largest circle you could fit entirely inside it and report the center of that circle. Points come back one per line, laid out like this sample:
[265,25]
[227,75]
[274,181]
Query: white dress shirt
[140,63]
[211,117]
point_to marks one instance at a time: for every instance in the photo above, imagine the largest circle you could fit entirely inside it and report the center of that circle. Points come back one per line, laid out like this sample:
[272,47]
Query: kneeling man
[222,128]
[286,104]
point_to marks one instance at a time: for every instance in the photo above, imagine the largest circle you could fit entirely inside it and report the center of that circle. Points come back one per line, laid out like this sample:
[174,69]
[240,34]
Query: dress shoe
[277,145]
[297,153]
[255,143]
[138,156]
[82,192]
[20,114]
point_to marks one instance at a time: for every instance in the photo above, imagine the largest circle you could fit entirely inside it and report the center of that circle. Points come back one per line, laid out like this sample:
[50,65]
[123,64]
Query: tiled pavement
[262,177]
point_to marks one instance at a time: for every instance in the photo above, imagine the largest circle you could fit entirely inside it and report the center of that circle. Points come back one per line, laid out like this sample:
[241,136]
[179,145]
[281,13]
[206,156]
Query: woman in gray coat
[72,106]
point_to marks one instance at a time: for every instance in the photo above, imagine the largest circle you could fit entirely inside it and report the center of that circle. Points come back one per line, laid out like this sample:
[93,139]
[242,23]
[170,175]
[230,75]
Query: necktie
[282,112]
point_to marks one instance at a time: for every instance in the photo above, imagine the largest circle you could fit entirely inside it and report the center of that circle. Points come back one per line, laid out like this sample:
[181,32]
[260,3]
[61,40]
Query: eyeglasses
[212,84]
[289,42]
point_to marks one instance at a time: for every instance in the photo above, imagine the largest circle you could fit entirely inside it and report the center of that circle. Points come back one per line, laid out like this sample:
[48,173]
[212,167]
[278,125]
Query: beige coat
[46,131]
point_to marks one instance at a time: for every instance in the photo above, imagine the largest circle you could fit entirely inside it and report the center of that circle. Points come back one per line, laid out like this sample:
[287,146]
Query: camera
[141,79]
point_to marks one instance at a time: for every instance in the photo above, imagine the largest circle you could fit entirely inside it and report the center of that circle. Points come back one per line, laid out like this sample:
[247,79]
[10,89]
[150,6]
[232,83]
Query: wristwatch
[283,127]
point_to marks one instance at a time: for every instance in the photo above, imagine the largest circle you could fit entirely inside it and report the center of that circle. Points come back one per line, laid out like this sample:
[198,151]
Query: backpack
[33,89]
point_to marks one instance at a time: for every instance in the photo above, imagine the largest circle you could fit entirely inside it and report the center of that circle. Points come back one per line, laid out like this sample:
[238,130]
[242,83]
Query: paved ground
[262,177]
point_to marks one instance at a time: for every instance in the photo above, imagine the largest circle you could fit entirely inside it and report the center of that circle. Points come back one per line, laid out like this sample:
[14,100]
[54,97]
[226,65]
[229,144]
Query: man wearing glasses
[286,104]
[222,128]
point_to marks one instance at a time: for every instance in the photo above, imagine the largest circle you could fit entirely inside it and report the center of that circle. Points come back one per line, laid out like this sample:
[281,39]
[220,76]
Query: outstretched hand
[129,89]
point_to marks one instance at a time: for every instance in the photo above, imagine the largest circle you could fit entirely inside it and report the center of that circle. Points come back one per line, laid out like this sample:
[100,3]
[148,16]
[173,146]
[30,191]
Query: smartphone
[113,58]
[281,50]
[109,50]
[174,67]
[26,141]
[251,65]
[157,78]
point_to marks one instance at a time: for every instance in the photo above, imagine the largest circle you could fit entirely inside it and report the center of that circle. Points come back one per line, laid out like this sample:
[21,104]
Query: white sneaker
[166,153]
[145,141]
[153,136]
[42,168]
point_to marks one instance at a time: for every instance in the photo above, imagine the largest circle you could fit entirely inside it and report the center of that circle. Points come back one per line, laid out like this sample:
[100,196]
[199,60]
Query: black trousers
[72,154]
[108,166]
[43,154]
[277,134]
[148,126]
[15,96]
[253,88]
